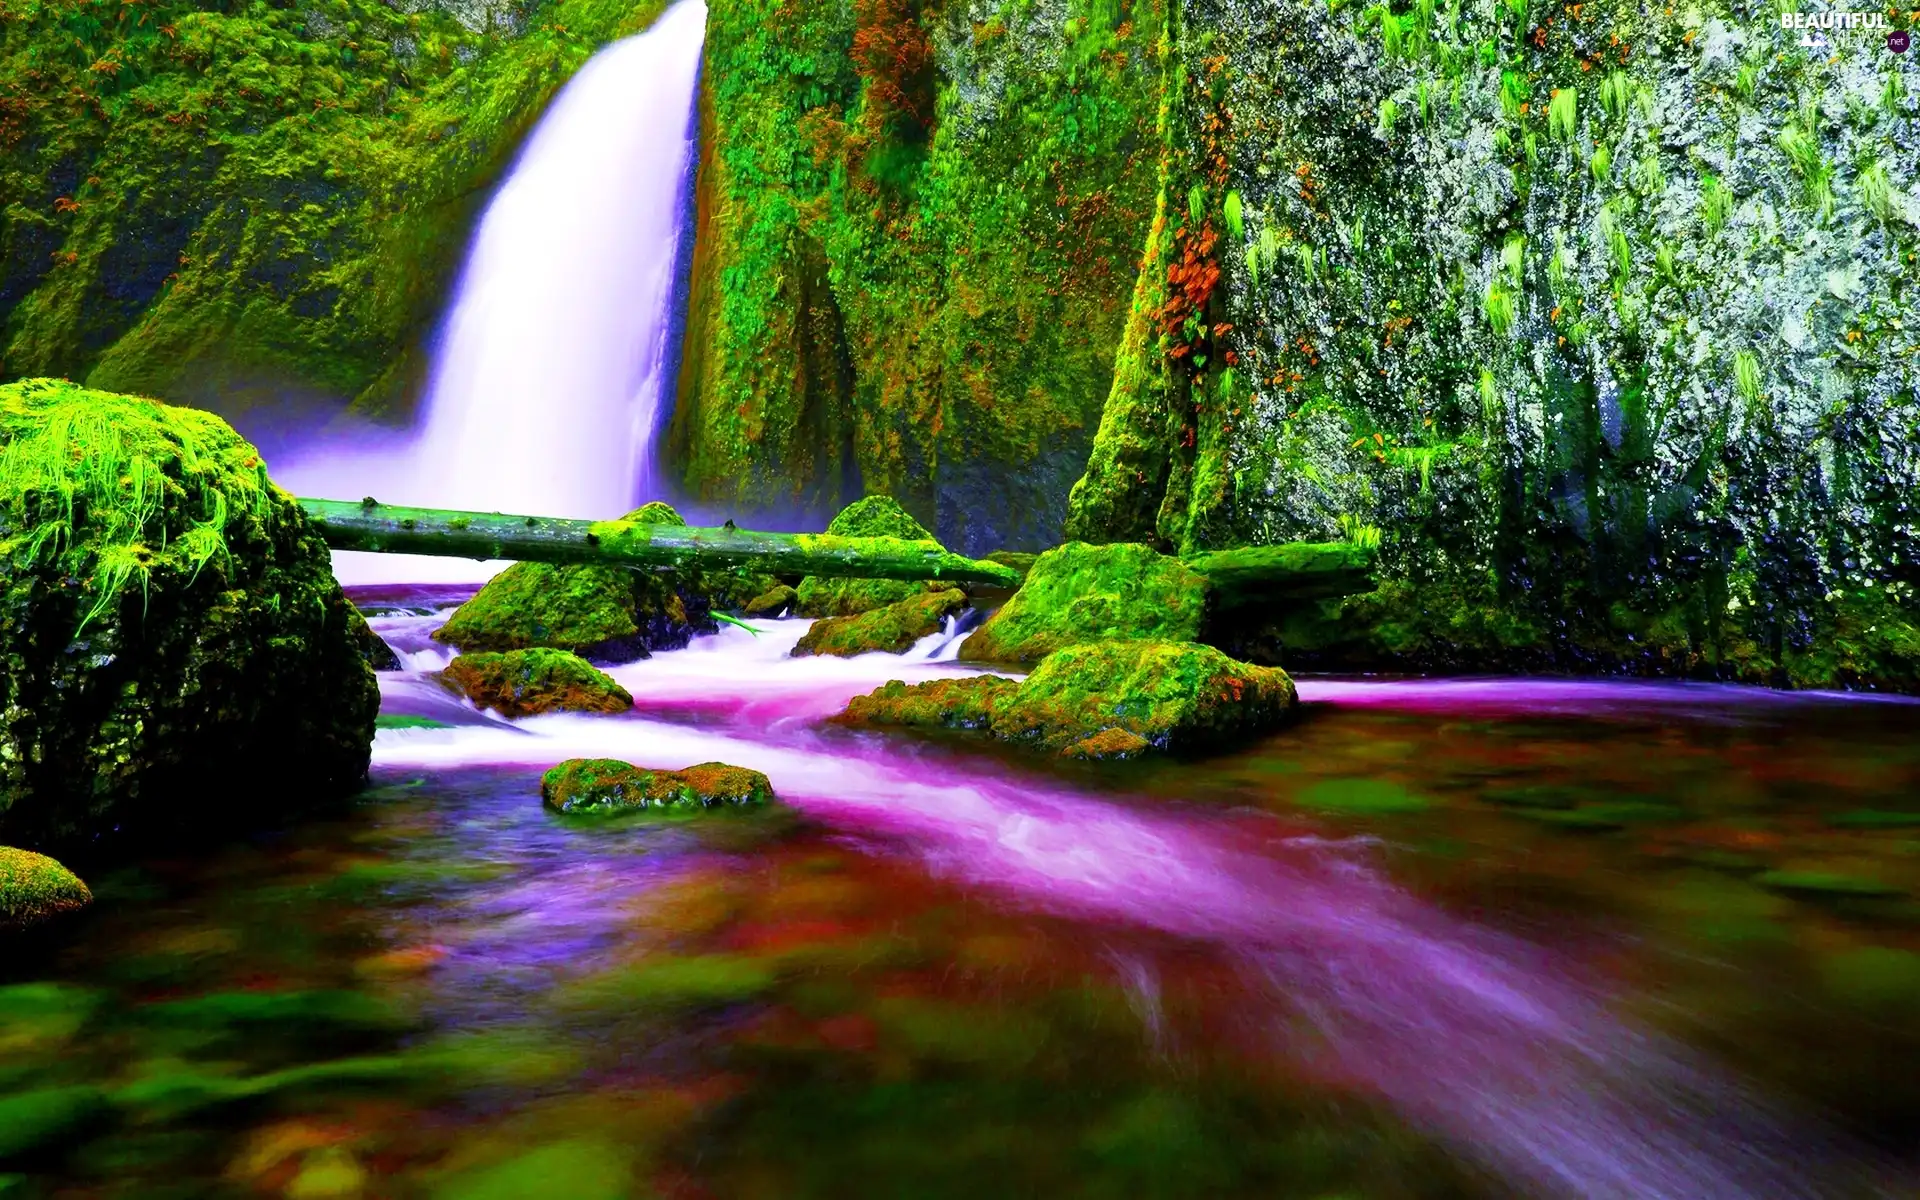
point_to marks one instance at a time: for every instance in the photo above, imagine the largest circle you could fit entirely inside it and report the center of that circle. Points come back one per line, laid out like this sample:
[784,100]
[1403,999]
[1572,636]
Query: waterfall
[552,364]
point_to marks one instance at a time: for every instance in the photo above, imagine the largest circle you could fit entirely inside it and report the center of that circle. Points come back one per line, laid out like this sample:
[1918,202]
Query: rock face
[874,516]
[774,602]
[893,629]
[1080,593]
[35,889]
[604,614]
[525,683]
[1100,700]
[164,610]
[582,786]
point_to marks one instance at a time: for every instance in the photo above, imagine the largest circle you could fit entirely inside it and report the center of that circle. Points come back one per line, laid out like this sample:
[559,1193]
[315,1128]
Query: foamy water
[1485,1040]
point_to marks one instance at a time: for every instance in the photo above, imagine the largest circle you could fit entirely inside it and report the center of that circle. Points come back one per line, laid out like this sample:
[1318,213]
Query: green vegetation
[869,516]
[598,786]
[526,683]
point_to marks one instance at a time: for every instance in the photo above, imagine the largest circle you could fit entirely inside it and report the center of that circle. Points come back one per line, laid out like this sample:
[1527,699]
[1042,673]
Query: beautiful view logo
[1814,25]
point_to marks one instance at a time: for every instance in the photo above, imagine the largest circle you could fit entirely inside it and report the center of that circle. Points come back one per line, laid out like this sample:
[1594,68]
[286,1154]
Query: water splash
[548,381]
[1483,1038]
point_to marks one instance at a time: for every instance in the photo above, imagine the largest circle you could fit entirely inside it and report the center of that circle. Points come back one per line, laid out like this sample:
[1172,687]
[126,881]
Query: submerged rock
[1080,593]
[1103,700]
[893,629]
[874,516]
[35,889]
[607,614]
[163,609]
[607,785]
[525,683]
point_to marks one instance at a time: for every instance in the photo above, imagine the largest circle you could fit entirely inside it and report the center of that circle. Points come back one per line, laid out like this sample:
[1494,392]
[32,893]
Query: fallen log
[1290,571]
[387,529]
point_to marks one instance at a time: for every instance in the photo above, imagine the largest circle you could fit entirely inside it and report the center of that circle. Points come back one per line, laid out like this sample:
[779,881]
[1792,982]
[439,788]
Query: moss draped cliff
[232,202]
[918,225]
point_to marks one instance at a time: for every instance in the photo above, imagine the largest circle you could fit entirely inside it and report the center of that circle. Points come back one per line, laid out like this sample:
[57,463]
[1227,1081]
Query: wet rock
[375,650]
[1111,699]
[874,516]
[605,614]
[162,607]
[892,630]
[35,889]
[524,683]
[774,602]
[1079,593]
[967,702]
[1109,744]
[1175,695]
[607,785]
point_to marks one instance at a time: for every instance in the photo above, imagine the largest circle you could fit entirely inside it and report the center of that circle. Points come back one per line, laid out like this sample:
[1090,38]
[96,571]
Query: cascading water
[547,382]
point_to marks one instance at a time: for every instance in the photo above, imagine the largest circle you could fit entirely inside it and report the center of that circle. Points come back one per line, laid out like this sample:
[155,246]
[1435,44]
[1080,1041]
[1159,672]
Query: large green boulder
[1080,593]
[874,516]
[169,620]
[892,630]
[526,683]
[35,889]
[606,786]
[607,614]
[1099,700]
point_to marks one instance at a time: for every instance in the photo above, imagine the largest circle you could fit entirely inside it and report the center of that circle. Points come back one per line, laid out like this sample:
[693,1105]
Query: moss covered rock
[776,601]
[968,702]
[164,610]
[873,516]
[1080,593]
[607,785]
[35,889]
[606,614]
[1100,700]
[525,683]
[1175,695]
[893,629]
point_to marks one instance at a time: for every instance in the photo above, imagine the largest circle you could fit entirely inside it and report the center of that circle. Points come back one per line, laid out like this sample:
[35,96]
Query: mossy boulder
[35,889]
[606,785]
[1079,593]
[164,611]
[892,630]
[873,516]
[606,614]
[967,702]
[525,683]
[1102,700]
[774,602]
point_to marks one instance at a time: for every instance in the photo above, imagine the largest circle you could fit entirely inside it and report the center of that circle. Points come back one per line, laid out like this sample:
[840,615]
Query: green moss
[525,683]
[1177,696]
[1079,593]
[968,702]
[35,888]
[1109,744]
[868,517]
[1285,572]
[891,630]
[776,601]
[603,785]
[161,606]
[1360,796]
[231,206]
[409,722]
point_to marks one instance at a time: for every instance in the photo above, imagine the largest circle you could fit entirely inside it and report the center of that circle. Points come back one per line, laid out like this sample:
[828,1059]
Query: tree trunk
[367,525]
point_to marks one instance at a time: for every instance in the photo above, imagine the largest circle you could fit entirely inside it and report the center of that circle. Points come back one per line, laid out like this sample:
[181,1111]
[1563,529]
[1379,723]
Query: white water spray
[548,380]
